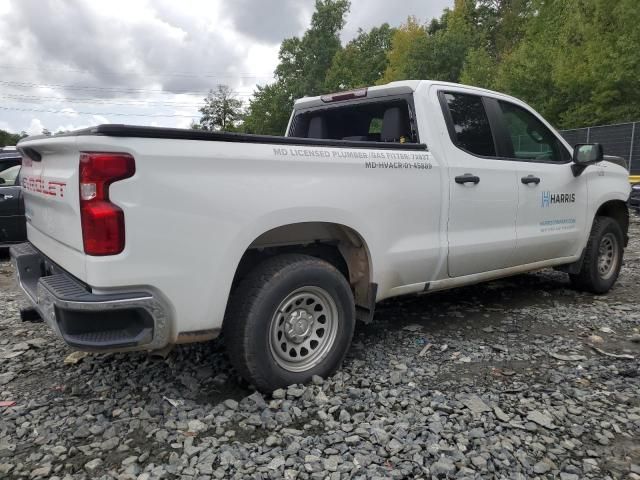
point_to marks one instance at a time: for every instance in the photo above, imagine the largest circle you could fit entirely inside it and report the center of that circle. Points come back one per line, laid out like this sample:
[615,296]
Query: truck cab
[509,193]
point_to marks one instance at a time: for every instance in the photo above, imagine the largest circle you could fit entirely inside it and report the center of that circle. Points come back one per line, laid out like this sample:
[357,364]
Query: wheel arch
[338,244]
[619,211]
[612,208]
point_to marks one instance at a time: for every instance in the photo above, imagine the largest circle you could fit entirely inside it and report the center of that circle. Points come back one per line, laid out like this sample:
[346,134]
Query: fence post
[633,137]
[588,134]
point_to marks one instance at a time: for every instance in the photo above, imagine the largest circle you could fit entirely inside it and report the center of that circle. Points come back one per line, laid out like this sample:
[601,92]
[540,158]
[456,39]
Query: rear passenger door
[552,203]
[482,187]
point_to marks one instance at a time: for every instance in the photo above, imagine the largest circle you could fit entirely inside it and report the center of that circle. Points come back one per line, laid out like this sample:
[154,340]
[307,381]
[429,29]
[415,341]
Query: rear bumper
[129,320]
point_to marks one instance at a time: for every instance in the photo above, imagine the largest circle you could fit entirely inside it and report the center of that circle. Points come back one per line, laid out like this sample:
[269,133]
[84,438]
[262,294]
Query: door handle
[467,178]
[5,197]
[530,179]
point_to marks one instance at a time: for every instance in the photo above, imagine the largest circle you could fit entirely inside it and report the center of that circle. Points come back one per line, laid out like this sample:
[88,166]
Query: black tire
[591,278]
[256,318]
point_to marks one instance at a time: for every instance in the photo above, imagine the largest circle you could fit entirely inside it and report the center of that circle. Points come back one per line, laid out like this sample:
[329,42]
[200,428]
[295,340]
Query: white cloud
[270,21]
[366,14]
[5,6]
[35,127]
[180,123]
[6,126]
[99,119]
[69,112]
[147,57]
[89,122]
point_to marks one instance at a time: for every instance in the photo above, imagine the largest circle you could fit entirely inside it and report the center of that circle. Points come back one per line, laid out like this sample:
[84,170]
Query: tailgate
[49,178]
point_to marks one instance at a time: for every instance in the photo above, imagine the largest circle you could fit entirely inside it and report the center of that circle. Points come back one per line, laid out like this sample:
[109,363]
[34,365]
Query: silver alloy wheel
[608,256]
[303,329]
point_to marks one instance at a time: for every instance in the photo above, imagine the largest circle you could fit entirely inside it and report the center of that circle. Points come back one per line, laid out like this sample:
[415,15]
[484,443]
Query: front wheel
[289,319]
[603,257]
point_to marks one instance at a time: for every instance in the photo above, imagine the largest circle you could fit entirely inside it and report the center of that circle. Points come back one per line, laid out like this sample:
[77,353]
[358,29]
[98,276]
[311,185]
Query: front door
[552,203]
[483,189]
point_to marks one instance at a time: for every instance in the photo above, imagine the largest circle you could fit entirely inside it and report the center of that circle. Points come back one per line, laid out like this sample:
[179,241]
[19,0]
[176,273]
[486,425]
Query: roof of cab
[397,88]
[393,88]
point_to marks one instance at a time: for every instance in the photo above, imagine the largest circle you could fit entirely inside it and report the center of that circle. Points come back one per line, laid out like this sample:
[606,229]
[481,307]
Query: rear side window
[471,129]
[531,139]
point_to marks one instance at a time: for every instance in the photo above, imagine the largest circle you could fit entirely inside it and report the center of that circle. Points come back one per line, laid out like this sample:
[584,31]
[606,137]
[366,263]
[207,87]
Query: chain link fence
[621,140]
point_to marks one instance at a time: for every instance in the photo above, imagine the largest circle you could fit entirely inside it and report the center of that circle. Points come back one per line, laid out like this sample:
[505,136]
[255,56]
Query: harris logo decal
[550,199]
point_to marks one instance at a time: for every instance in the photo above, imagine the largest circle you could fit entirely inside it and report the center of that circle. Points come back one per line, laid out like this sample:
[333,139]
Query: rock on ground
[510,389]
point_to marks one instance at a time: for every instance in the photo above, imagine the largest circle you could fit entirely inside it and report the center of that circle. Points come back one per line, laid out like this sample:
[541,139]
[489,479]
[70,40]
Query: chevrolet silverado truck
[143,238]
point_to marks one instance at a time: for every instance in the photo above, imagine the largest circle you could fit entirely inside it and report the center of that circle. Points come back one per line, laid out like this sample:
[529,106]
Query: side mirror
[585,154]
[588,153]
[2,181]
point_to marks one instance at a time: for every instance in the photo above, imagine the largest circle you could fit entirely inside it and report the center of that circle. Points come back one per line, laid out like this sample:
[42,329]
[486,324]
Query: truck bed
[199,200]
[133,131]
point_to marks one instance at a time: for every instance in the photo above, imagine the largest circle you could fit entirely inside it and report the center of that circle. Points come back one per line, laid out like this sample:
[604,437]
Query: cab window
[531,139]
[471,128]
[9,176]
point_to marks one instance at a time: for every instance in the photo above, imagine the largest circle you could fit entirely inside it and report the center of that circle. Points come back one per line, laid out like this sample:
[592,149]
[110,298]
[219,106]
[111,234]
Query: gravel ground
[492,381]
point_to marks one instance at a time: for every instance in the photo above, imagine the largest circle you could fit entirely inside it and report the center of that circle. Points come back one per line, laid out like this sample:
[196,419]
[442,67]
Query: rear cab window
[373,120]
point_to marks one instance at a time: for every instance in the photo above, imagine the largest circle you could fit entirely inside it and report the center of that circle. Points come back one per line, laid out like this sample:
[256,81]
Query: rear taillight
[102,221]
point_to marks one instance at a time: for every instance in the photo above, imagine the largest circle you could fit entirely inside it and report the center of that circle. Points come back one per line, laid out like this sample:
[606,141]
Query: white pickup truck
[143,238]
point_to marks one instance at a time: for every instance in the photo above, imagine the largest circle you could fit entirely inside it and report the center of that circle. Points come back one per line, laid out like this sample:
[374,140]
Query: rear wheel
[603,257]
[290,318]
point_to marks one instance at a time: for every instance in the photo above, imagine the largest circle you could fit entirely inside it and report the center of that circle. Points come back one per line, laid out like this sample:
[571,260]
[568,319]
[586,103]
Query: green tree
[304,62]
[465,44]
[8,138]
[401,44]
[269,110]
[362,62]
[302,71]
[577,62]
[221,111]
[500,26]
[479,68]
[597,67]
[441,55]
[437,51]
